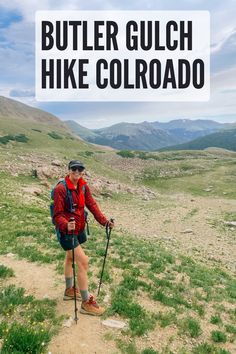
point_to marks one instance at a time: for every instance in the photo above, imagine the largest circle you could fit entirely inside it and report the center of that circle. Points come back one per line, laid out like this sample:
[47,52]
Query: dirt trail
[42,281]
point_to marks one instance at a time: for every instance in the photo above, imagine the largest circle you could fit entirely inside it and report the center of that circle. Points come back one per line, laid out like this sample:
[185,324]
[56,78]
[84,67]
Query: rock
[114,324]
[68,323]
[10,255]
[46,184]
[45,171]
[230,223]
[187,231]
[87,174]
[207,190]
[32,190]
[106,298]
[56,163]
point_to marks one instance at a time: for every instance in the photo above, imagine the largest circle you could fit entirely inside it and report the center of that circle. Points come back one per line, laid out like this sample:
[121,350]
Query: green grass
[195,179]
[140,321]
[127,348]
[215,319]
[206,348]
[230,329]
[190,327]
[11,297]
[27,324]
[218,337]
[3,328]
[167,319]
[191,213]
[6,272]
[25,339]
[149,351]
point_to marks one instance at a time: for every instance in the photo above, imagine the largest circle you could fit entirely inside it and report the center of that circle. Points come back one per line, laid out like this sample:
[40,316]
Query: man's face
[76,172]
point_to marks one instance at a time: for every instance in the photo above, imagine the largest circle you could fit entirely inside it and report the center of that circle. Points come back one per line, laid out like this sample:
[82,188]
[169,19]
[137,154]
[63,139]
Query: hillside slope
[224,139]
[38,128]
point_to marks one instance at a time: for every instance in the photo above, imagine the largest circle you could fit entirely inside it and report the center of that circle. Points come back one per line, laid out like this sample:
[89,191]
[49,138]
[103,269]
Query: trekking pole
[108,234]
[73,266]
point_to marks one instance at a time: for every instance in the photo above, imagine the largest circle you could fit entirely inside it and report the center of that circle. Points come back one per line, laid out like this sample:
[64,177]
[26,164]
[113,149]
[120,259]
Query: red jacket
[81,199]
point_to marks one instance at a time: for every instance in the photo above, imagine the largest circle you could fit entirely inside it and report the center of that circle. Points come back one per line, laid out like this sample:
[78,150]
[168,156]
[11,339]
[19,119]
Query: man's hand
[71,226]
[111,224]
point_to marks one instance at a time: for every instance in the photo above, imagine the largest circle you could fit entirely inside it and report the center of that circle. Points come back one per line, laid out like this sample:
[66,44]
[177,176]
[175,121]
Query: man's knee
[83,262]
[69,257]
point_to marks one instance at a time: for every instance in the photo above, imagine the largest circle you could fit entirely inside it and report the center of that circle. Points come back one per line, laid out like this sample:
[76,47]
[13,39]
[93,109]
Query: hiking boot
[69,294]
[90,307]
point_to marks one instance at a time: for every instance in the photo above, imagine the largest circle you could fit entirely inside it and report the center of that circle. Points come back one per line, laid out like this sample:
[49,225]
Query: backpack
[71,208]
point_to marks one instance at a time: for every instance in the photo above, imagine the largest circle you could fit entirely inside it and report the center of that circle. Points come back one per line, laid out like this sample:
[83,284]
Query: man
[81,197]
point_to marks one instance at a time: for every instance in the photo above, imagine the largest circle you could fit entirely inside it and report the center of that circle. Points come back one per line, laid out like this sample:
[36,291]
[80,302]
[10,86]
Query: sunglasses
[79,168]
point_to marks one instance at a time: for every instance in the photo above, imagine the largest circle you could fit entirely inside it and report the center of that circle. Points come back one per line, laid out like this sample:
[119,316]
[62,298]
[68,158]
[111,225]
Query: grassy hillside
[44,135]
[224,139]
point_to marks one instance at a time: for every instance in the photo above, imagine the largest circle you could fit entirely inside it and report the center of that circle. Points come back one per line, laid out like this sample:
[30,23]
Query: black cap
[75,163]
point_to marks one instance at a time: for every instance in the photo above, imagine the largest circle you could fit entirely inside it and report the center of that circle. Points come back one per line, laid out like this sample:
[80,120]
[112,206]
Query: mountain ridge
[149,136]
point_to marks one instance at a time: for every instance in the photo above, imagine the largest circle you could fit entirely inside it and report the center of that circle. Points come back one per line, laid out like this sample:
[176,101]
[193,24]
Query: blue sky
[17,78]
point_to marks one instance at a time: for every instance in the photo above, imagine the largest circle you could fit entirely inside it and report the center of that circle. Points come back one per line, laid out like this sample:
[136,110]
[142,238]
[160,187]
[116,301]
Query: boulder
[32,190]
[56,163]
[114,324]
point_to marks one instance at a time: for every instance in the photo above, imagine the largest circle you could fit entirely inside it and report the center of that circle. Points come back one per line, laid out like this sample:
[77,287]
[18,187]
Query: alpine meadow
[170,269]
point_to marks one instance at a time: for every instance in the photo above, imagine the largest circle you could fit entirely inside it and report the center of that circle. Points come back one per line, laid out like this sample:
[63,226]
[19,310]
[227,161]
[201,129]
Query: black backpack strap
[69,197]
[85,212]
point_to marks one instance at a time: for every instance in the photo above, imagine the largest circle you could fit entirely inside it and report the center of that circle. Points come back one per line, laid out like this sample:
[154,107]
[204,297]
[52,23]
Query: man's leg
[82,262]
[89,305]
[68,271]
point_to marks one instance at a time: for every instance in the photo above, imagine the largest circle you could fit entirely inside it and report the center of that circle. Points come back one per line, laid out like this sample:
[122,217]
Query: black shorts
[66,240]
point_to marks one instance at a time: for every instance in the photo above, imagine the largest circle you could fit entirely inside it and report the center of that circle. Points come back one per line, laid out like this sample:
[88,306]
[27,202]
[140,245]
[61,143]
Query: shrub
[190,327]
[21,138]
[215,319]
[149,351]
[218,337]
[5,272]
[230,329]
[126,154]
[54,135]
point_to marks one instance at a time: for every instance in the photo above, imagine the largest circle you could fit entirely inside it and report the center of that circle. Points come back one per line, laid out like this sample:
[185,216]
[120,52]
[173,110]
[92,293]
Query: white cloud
[17,59]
